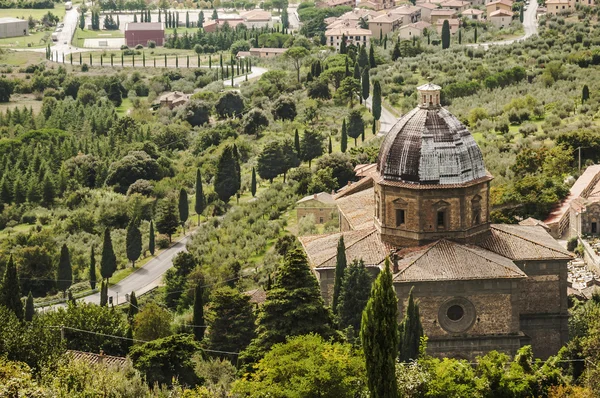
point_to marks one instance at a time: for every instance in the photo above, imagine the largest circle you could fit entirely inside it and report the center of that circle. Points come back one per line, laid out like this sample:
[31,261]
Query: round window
[455,313]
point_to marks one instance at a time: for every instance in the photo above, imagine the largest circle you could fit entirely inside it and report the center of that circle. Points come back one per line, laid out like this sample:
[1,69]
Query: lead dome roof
[429,145]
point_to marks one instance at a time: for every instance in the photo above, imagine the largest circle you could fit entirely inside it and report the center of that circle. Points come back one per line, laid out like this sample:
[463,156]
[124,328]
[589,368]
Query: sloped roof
[358,208]
[348,32]
[446,260]
[532,221]
[322,197]
[472,11]
[523,242]
[501,13]
[505,2]
[442,11]
[420,25]
[364,244]
[257,296]
[93,358]
[429,6]
[362,184]
[584,183]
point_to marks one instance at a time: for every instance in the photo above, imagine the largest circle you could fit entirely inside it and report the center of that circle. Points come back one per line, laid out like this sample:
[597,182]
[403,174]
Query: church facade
[425,204]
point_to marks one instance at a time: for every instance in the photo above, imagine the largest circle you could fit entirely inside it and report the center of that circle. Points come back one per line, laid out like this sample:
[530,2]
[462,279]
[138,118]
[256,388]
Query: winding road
[530,25]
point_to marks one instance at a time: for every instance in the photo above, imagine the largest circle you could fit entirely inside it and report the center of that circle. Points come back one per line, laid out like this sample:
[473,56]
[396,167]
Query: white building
[353,36]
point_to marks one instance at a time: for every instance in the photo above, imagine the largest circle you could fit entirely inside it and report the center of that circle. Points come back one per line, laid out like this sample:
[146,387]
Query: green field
[33,40]
[25,13]
[14,58]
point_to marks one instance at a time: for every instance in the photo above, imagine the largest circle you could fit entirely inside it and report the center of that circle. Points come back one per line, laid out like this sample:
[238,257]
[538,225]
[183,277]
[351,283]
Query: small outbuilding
[141,33]
[13,27]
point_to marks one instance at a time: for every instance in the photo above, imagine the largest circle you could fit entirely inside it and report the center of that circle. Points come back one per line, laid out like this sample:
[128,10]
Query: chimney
[349,183]
[315,196]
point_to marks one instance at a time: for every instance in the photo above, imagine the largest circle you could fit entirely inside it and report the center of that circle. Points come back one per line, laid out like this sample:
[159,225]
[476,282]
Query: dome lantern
[429,95]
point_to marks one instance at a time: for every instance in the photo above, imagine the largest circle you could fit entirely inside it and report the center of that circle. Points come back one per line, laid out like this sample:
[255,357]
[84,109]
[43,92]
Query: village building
[384,24]
[414,29]
[336,3]
[501,18]
[321,206]
[425,205]
[505,5]
[441,14]
[456,5]
[354,36]
[377,4]
[409,13]
[257,19]
[141,33]
[473,14]
[426,9]
[174,99]
[454,25]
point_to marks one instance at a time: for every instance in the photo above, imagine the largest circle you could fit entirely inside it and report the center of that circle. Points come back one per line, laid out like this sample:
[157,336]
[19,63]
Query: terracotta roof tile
[362,184]
[93,358]
[520,242]
[446,260]
[358,208]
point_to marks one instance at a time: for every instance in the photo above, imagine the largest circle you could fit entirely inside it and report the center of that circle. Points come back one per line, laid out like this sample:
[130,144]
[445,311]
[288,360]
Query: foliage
[10,292]
[379,336]
[306,366]
[133,242]
[226,182]
[230,104]
[164,360]
[354,294]
[64,276]
[311,146]
[151,323]
[167,218]
[411,331]
[340,268]
[108,263]
[198,313]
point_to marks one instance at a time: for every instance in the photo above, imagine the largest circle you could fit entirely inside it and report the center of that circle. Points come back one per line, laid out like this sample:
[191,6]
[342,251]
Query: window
[441,218]
[476,210]
[320,220]
[377,207]
[400,217]
[455,313]
[594,228]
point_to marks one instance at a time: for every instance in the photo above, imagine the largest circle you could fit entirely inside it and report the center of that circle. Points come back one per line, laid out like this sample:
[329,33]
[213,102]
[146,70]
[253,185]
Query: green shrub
[572,244]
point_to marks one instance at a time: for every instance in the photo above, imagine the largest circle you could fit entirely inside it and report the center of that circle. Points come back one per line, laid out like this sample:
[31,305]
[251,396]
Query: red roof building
[141,33]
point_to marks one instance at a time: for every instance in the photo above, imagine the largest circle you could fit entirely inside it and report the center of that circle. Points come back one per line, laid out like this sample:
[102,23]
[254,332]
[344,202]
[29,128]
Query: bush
[572,244]
[85,68]
[139,47]
[579,250]
[162,242]
[151,44]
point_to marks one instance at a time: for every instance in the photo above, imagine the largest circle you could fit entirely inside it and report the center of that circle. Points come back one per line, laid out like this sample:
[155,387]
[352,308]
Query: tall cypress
[445,34]
[372,62]
[64,275]
[329,147]
[10,294]
[297,142]
[411,331]
[585,93]
[253,182]
[379,336]
[376,100]
[199,203]
[108,263]
[354,294]
[103,293]
[226,178]
[133,307]
[198,319]
[356,73]
[29,308]
[151,245]
[340,268]
[184,207]
[365,84]
[133,242]
[344,141]
[92,268]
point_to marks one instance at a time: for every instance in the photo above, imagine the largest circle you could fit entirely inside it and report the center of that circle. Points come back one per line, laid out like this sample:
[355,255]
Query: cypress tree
[475,35]
[187,19]
[329,147]
[108,263]
[340,267]
[379,336]
[460,36]
[365,84]
[29,308]
[133,307]
[411,331]
[396,52]
[374,127]
[184,207]
[376,100]
[363,58]
[10,294]
[521,14]
[372,62]
[198,319]
[297,142]
[92,268]
[199,204]
[354,294]
[585,93]
[344,140]
[64,275]
[151,244]
[133,242]
[343,49]
[103,293]
[253,182]
[226,178]
[445,35]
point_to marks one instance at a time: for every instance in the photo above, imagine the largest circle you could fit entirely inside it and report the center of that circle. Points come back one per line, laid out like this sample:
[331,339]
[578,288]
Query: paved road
[387,119]
[530,25]
[293,18]
[144,279]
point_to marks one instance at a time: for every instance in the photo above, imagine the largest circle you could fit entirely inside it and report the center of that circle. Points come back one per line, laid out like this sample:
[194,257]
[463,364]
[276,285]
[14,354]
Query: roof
[501,13]
[405,10]
[430,146]
[348,32]
[11,19]
[472,11]
[446,260]
[385,18]
[256,15]
[268,50]
[505,2]
[358,208]
[430,6]
[451,22]
[455,3]
[557,2]
[93,358]
[322,197]
[174,96]
[442,11]
[364,244]
[417,25]
[429,87]
[135,26]
[257,296]
[584,184]
[353,187]
[522,242]
[534,222]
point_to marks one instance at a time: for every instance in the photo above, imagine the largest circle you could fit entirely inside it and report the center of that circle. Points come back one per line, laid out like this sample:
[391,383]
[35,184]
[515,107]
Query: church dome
[429,145]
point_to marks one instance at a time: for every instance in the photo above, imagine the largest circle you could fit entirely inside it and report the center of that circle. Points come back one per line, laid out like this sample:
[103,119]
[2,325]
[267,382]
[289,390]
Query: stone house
[457,5]
[384,24]
[414,29]
[174,99]
[354,36]
[425,204]
[505,5]
[500,18]
[320,205]
[473,14]
[454,25]
[426,9]
[441,14]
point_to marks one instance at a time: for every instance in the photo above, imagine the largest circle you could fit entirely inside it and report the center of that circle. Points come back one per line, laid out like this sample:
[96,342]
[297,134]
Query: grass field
[20,100]
[25,13]
[33,40]
[13,58]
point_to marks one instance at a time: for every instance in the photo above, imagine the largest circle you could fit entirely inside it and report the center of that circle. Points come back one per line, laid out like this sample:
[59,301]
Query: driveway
[530,25]
[387,119]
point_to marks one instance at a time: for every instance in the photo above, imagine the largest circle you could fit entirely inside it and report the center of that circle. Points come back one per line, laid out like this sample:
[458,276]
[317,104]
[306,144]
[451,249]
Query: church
[425,204]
